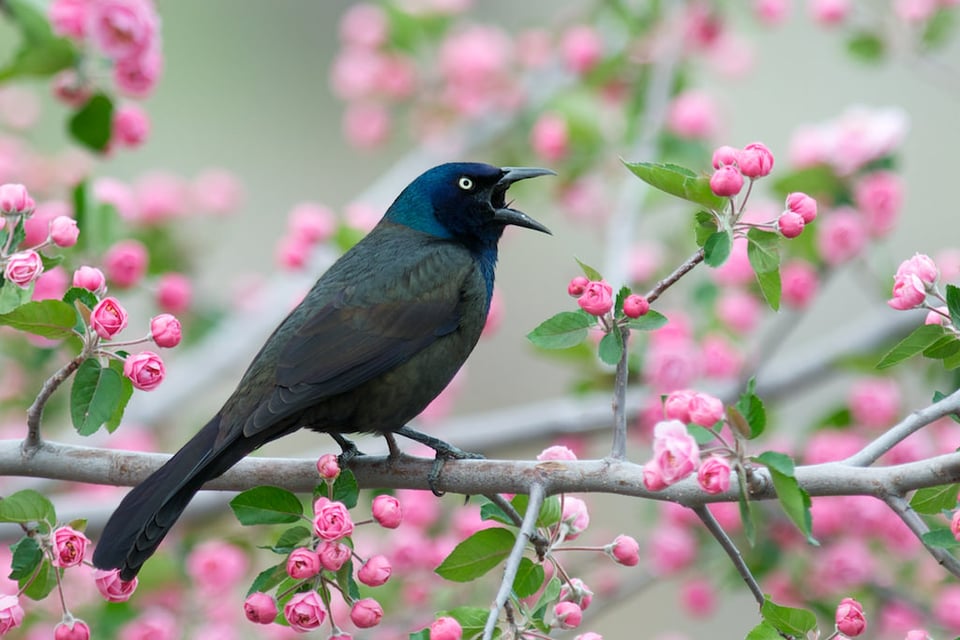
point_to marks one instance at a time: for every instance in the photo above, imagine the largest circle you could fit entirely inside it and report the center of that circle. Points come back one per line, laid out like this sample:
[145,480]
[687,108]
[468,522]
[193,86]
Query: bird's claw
[443,454]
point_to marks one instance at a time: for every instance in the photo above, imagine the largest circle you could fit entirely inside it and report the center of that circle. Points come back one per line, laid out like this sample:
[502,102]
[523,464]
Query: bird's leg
[395,452]
[349,450]
[444,452]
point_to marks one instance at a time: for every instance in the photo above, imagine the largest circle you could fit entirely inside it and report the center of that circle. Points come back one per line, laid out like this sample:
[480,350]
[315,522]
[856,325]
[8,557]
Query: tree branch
[902,508]
[732,551]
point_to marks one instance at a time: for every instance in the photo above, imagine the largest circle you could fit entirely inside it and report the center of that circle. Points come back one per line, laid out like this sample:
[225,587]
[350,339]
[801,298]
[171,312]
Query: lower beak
[506,215]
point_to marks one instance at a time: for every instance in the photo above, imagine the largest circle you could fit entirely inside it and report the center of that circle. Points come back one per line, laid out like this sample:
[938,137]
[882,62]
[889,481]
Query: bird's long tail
[147,513]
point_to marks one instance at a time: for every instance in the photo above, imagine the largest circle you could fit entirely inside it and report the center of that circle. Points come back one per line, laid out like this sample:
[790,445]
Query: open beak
[503,213]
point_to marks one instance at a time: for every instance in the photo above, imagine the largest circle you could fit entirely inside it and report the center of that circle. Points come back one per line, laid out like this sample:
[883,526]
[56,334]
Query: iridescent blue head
[464,201]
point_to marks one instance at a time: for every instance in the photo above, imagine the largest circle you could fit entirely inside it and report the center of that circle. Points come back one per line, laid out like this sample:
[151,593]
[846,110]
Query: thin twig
[671,279]
[618,450]
[732,551]
[537,495]
[902,508]
[34,414]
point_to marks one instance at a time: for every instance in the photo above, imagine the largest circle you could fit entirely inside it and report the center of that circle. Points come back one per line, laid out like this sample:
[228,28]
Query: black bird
[381,333]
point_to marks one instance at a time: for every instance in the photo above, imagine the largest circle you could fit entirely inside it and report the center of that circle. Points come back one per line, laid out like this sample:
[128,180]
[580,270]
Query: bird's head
[464,200]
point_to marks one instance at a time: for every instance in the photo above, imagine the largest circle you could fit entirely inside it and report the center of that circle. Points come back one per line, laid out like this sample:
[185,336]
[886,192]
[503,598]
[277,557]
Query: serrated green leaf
[27,506]
[529,578]
[943,348]
[706,226]
[92,124]
[48,318]
[27,556]
[589,272]
[80,294]
[477,555]
[794,500]
[550,512]
[549,596]
[788,620]
[269,578]
[751,408]
[942,538]
[491,511]
[763,250]
[934,500]
[610,348]
[471,619]
[677,181]
[717,248]
[918,340]
[953,304]
[42,585]
[562,331]
[771,287]
[346,489]
[126,392]
[94,396]
[649,321]
[764,631]
[702,435]
[266,505]
[292,538]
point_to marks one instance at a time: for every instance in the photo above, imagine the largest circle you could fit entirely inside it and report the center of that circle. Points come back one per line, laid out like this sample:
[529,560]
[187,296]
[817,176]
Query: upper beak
[505,214]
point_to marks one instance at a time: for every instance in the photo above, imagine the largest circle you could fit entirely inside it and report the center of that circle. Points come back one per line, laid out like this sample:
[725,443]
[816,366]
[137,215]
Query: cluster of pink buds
[22,266]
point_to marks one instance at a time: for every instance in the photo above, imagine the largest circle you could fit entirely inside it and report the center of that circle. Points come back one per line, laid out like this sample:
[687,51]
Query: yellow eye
[465,183]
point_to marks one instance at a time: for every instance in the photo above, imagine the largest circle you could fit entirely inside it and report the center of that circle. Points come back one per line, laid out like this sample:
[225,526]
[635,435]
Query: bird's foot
[445,451]
[349,450]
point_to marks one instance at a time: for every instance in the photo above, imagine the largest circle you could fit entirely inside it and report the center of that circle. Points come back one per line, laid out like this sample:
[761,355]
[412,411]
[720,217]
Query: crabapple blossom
[64,231]
[111,587]
[305,611]
[311,222]
[165,330]
[724,155]
[145,370]
[577,286]
[575,516]
[23,268]
[73,630]
[829,12]
[577,592]
[11,613]
[625,550]
[364,25]
[705,410]
[589,635]
[677,405]
[216,566]
[122,29]
[333,555]
[921,266]
[125,263]
[698,597]
[303,563]
[955,524]
[635,306]
[375,571]
[328,466]
[131,125]
[366,125]
[726,181]
[755,160]
[51,285]
[597,298]
[15,200]
[331,520]
[714,474]
[849,618]
[841,236]
[68,18]
[387,511]
[89,278]
[879,197]
[802,204]
[790,224]
[549,137]
[260,608]
[674,450]
[653,476]
[445,628]
[739,310]
[581,47]
[556,452]
[174,292]
[108,318]
[799,283]
[68,546]
[875,402]
[568,614]
[908,292]
[693,114]
[366,613]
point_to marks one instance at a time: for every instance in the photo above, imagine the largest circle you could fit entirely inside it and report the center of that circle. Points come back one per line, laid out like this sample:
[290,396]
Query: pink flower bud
[829,12]
[755,160]
[305,611]
[625,550]
[15,200]
[799,282]
[549,137]
[556,452]
[111,587]
[597,298]
[841,236]
[802,204]
[921,266]
[174,292]
[849,617]
[328,466]
[589,635]
[131,125]
[714,474]
[11,613]
[23,268]
[445,628]
[260,608]
[577,592]
[577,286]
[917,634]
[333,555]
[955,524]
[366,613]
[582,48]
[125,263]
[908,292]
[311,222]
[705,410]
[653,477]
[726,181]
[375,571]
[724,156]
[145,370]
[64,231]
[635,306]
[790,224]
[387,511]
[89,278]
[68,545]
[940,315]
[677,405]
[331,519]
[108,318]
[675,451]
[73,630]
[165,330]
[879,198]
[568,615]
[575,516]
[303,563]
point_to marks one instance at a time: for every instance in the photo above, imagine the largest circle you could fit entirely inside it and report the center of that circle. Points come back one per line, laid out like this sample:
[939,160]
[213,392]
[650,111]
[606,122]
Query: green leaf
[529,578]
[48,318]
[953,304]
[611,347]
[751,408]
[126,392]
[747,514]
[816,180]
[770,287]
[41,53]
[764,631]
[477,555]
[562,331]
[27,506]
[649,321]
[345,489]
[918,340]
[706,226]
[27,556]
[269,578]
[933,500]
[471,619]
[717,248]
[788,620]
[549,597]
[943,348]
[702,435]
[491,511]
[793,498]
[91,125]
[85,296]
[266,505]
[942,538]
[937,397]
[12,297]
[589,272]
[41,586]
[677,181]
[938,29]
[94,396]
[292,538]
[763,250]
[550,512]
[346,582]
[866,46]
[422,634]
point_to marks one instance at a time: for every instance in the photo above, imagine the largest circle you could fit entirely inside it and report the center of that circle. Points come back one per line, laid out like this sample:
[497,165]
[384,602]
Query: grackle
[376,339]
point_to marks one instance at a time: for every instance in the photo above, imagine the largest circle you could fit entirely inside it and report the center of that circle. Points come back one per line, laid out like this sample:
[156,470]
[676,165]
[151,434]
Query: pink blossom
[111,587]
[739,310]
[331,520]
[387,511]
[108,318]
[138,76]
[556,452]
[51,285]
[917,634]
[705,410]
[597,298]
[71,89]
[799,282]
[260,608]
[755,160]
[533,47]
[216,566]
[790,224]
[802,204]
[693,114]
[577,286]
[216,191]
[328,466]
[375,571]
[174,292]
[333,555]
[68,18]
[366,125]
[879,197]
[575,516]
[577,592]
[356,72]
[720,358]
[161,195]
[921,266]
[364,25]
[915,11]
[15,200]
[311,222]
[165,330]
[155,624]
[445,628]
[671,364]
[11,613]
[568,615]
[72,630]
[849,617]
[474,61]
[37,226]
[736,270]
[305,611]
[116,193]
[23,268]
[955,524]
[829,445]
[303,563]
[366,613]
[549,137]
[421,509]
[875,402]
[829,12]
[699,598]
[725,155]
[771,12]
[677,405]
[581,48]
[653,476]
[675,450]
[625,550]
[69,545]
[726,181]
[908,292]
[122,29]
[670,549]
[131,125]
[635,306]
[64,231]
[714,474]
[841,236]
[126,263]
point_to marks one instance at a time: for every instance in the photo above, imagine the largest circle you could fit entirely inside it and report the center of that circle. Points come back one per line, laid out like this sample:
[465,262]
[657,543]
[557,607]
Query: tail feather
[147,513]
